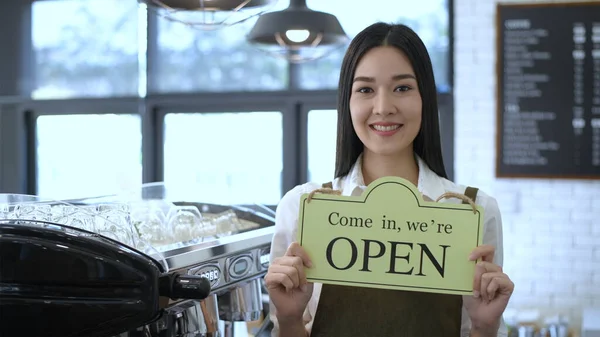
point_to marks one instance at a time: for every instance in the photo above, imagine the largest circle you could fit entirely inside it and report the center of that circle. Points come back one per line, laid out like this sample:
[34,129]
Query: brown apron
[345,311]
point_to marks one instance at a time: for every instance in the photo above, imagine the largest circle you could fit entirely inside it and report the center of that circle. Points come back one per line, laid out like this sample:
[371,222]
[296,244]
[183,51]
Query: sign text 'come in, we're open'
[390,237]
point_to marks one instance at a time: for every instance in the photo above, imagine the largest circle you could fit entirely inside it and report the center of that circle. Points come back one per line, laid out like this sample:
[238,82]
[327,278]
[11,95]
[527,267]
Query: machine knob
[188,287]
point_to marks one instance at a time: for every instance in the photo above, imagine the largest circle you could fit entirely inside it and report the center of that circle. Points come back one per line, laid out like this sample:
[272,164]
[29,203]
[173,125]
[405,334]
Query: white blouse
[429,184]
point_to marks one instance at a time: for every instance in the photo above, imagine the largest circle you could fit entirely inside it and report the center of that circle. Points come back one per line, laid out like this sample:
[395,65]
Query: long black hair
[427,144]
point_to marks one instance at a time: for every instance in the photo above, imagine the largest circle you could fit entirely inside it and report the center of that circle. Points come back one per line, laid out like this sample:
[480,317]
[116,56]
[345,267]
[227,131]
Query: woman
[387,126]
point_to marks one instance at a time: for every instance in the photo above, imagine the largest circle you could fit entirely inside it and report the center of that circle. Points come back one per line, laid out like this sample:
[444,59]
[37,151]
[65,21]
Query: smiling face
[385,103]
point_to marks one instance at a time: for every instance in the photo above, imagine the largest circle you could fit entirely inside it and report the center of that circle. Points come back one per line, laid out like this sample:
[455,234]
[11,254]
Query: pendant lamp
[298,33]
[209,14]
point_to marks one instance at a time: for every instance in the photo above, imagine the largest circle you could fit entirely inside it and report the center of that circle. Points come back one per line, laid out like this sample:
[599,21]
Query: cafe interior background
[99,96]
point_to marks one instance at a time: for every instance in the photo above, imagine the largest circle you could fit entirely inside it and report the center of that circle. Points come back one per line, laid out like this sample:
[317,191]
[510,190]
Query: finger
[483,252]
[288,261]
[502,285]
[489,267]
[301,273]
[488,289]
[493,287]
[480,269]
[290,271]
[477,281]
[293,261]
[296,250]
[278,280]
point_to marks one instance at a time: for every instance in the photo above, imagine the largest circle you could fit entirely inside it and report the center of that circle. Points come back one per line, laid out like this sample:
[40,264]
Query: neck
[404,165]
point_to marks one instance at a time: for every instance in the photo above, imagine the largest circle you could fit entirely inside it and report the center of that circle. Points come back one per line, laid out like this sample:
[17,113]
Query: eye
[365,90]
[403,88]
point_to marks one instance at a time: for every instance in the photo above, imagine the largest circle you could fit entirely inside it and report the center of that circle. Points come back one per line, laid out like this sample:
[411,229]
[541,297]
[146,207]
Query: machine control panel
[225,270]
[211,271]
[239,266]
[263,259]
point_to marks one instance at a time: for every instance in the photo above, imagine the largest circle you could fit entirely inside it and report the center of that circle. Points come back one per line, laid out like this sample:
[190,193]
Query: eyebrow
[395,78]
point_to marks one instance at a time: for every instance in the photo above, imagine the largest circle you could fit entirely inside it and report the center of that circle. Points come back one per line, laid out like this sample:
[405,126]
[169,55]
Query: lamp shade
[209,14]
[298,33]
[220,5]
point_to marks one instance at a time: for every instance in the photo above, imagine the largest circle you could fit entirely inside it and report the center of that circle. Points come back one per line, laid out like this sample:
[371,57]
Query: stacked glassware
[145,221]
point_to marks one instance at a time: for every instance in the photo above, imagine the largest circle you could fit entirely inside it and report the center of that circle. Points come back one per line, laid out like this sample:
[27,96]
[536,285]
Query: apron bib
[345,311]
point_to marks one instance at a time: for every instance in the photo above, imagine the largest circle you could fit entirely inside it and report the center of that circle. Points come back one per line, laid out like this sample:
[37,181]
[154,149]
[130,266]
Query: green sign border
[363,199]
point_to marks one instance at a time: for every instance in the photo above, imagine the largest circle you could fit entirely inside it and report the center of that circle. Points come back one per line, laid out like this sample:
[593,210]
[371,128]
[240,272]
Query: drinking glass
[185,222]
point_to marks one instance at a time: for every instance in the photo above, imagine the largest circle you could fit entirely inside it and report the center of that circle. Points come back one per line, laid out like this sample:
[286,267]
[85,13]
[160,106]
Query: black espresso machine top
[103,266]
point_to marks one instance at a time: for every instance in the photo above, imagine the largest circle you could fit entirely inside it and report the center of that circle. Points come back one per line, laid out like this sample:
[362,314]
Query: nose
[383,104]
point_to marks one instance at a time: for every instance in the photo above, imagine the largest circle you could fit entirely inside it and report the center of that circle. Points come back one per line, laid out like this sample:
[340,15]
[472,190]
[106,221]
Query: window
[85,48]
[218,60]
[88,155]
[429,18]
[230,158]
[322,132]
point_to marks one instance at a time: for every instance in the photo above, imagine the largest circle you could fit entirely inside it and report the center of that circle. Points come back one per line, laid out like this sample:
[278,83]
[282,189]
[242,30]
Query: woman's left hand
[491,292]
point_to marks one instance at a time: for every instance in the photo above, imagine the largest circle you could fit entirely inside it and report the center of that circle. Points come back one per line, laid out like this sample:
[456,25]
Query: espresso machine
[143,264]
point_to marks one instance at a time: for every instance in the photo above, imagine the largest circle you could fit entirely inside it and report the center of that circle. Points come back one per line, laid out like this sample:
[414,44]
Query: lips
[385,127]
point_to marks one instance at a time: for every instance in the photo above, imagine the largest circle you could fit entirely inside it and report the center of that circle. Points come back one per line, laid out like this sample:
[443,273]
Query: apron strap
[471,193]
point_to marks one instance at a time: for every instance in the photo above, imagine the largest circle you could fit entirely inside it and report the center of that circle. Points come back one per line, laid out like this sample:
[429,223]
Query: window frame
[37,108]
[289,103]
[306,108]
[18,167]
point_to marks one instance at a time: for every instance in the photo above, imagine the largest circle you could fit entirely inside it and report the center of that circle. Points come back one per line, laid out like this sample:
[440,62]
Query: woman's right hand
[286,283]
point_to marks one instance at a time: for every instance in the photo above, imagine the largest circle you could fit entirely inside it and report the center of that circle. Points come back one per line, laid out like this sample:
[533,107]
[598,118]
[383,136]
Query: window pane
[429,18]
[220,60]
[322,132]
[85,48]
[88,155]
[225,157]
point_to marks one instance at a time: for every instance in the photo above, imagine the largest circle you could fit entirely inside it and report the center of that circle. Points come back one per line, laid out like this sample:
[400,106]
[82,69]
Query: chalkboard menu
[548,58]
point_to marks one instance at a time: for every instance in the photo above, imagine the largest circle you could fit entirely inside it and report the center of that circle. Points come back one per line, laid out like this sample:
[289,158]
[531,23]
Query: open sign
[390,237]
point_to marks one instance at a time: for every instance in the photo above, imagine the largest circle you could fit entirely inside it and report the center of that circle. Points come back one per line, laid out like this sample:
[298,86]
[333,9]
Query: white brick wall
[551,227]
